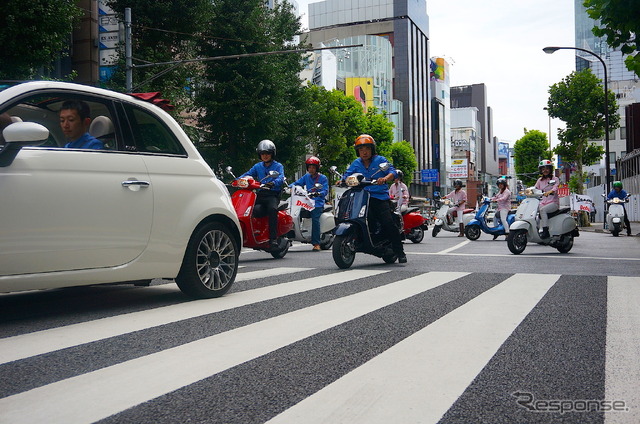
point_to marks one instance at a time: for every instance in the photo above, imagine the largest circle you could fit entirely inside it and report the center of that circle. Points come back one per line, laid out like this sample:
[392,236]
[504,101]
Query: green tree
[162,31]
[619,25]
[242,101]
[529,151]
[578,100]
[33,33]
[336,120]
[403,157]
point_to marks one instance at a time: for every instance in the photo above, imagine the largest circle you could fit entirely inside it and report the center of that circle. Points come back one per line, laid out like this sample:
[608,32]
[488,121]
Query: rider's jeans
[315,225]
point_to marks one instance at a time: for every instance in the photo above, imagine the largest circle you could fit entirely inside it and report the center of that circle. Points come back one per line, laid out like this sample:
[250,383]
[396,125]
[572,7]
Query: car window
[43,108]
[151,134]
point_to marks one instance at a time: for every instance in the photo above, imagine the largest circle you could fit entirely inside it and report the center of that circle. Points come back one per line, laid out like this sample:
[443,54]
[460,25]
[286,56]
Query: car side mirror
[19,135]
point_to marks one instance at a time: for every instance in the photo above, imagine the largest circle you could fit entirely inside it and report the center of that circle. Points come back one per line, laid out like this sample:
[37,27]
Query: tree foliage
[162,31]
[242,101]
[620,25]
[529,151]
[578,100]
[33,33]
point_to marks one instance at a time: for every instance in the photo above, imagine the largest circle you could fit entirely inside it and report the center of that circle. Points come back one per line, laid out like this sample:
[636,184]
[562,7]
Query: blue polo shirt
[378,191]
[87,141]
[260,171]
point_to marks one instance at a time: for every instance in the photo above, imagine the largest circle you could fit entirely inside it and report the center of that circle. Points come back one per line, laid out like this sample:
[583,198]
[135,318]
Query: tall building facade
[406,25]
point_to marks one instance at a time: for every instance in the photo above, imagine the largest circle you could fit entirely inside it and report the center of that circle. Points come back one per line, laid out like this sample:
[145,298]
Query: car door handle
[135,183]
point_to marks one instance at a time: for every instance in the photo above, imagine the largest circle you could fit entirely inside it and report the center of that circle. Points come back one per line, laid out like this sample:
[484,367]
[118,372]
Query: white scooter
[615,214]
[562,226]
[444,220]
[300,206]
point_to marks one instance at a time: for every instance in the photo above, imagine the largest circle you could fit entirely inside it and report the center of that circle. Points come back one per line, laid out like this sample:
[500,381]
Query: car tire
[210,262]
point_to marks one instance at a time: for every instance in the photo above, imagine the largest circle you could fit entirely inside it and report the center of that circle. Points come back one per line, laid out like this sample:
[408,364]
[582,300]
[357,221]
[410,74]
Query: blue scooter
[478,224]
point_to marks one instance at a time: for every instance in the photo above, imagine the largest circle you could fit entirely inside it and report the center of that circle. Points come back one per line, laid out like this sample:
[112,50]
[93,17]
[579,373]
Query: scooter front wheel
[344,252]
[436,230]
[517,241]
[472,232]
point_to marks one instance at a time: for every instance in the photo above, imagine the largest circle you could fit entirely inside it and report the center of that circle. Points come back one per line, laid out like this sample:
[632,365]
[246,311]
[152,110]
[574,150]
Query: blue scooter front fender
[343,228]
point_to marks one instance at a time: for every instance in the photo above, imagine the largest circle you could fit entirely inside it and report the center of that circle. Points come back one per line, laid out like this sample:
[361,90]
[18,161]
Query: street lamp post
[551,50]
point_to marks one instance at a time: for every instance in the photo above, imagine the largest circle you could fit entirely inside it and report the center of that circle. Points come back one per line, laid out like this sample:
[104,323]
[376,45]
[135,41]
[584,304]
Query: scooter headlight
[616,200]
[447,201]
[352,180]
[243,183]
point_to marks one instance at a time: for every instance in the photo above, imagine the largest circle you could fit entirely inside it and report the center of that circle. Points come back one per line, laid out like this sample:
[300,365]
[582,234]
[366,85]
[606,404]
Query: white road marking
[622,369]
[457,246]
[110,390]
[423,375]
[37,343]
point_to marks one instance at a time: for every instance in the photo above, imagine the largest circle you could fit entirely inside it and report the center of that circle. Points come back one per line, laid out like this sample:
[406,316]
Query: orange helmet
[313,161]
[365,140]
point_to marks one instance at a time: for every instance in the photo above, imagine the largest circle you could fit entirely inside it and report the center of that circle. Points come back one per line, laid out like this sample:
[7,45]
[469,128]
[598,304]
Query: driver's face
[365,152]
[265,157]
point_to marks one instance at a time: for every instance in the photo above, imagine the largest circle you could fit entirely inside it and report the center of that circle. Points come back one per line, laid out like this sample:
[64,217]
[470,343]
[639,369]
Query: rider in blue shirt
[309,181]
[622,195]
[269,197]
[368,164]
[74,121]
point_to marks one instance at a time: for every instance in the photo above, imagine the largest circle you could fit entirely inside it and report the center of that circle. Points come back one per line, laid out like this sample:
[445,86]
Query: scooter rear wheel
[416,235]
[517,241]
[326,240]
[344,251]
[567,244]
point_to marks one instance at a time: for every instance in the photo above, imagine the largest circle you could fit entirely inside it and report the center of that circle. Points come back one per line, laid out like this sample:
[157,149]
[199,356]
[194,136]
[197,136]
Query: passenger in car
[74,121]
[5,121]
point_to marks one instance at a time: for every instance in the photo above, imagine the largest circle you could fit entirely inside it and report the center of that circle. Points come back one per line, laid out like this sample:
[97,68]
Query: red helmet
[365,140]
[313,161]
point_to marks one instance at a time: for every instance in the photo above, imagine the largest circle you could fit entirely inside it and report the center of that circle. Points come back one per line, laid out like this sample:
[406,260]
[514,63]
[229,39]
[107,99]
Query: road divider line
[424,374]
[622,369]
[36,343]
[113,389]
[457,246]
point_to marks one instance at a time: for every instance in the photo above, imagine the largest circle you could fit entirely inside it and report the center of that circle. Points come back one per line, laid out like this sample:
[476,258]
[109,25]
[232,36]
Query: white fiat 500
[145,205]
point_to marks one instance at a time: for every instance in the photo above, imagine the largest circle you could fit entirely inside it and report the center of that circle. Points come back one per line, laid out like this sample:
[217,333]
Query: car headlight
[352,181]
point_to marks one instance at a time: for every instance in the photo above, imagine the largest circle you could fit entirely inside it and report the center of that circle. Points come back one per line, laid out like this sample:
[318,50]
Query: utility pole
[128,50]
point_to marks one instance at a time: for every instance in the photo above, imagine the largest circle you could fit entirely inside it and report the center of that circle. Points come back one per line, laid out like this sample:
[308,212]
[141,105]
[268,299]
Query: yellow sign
[361,89]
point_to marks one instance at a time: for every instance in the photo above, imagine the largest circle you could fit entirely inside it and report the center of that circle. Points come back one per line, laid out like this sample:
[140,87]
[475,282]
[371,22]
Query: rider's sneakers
[316,248]
[402,258]
[545,233]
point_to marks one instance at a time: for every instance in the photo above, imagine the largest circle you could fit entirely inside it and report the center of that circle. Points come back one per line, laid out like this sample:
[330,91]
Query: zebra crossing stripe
[37,343]
[424,374]
[113,389]
[622,369]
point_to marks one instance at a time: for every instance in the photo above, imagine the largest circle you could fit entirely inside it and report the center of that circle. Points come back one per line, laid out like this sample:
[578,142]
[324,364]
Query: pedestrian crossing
[354,346]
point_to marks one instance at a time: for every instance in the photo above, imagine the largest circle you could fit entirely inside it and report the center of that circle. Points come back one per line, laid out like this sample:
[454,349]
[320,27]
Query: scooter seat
[455,213]
[327,208]
[558,212]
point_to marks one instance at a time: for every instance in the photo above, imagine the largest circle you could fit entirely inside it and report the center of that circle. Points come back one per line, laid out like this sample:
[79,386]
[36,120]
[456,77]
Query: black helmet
[501,180]
[400,175]
[266,146]
[457,183]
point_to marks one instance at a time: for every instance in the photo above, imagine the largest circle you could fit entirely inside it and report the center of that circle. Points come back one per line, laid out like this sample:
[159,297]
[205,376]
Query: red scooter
[255,231]
[413,223]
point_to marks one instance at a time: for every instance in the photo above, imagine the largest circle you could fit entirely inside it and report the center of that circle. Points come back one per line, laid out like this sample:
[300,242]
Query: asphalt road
[464,332]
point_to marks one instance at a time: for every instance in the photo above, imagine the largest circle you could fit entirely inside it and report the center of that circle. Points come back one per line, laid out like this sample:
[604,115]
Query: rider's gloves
[270,184]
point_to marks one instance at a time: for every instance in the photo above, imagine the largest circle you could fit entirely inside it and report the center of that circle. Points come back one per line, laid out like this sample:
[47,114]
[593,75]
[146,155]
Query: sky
[499,43]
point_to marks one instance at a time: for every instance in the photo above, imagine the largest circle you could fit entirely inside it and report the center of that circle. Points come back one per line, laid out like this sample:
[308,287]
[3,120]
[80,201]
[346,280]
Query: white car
[146,206]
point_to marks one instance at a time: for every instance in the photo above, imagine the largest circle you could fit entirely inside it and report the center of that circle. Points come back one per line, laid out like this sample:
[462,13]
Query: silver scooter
[615,214]
[562,226]
[300,205]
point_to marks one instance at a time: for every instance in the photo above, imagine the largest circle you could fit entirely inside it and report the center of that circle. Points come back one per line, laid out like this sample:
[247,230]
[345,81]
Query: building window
[623,133]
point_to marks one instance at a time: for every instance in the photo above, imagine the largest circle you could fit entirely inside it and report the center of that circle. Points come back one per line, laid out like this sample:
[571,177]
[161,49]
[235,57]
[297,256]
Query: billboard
[362,89]
[459,169]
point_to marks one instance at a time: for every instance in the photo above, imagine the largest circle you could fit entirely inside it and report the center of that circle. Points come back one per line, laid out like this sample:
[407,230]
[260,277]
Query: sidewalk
[597,227]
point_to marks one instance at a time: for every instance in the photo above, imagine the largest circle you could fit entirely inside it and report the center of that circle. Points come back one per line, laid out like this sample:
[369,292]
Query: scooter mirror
[273,173]
[230,171]
[552,182]
[384,166]
[317,185]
